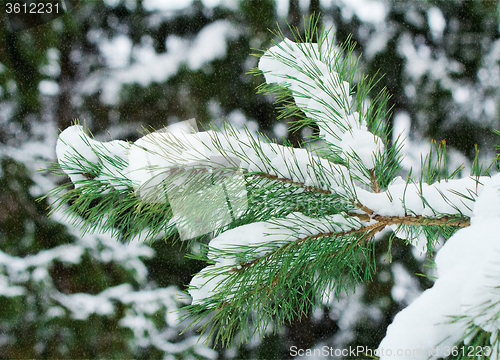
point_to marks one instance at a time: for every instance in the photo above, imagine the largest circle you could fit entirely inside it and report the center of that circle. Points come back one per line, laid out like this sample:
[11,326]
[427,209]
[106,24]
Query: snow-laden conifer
[284,226]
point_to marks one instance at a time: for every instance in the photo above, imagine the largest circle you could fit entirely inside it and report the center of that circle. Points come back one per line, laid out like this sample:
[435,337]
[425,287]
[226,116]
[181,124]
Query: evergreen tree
[64,69]
[289,226]
[48,75]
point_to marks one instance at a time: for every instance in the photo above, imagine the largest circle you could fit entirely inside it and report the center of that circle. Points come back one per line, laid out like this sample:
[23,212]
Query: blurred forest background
[121,65]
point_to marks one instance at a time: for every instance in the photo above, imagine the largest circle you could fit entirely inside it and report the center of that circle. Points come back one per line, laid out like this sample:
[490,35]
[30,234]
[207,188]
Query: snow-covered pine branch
[284,223]
[463,303]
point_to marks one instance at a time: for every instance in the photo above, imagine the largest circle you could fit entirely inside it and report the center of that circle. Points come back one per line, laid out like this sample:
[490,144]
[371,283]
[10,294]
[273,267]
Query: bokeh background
[121,65]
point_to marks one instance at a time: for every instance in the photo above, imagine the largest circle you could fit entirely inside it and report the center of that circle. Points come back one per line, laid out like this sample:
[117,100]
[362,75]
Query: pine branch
[415,220]
[287,225]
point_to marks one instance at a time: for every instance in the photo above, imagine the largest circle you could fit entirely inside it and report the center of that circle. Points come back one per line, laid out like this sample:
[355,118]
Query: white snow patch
[116,51]
[280,130]
[441,197]
[367,10]
[48,87]
[322,95]
[162,5]
[148,66]
[437,23]
[210,43]
[401,126]
[467,286]
[405,286]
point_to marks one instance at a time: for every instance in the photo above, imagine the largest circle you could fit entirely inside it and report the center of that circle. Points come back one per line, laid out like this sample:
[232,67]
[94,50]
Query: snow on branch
[284,223]
[464,298]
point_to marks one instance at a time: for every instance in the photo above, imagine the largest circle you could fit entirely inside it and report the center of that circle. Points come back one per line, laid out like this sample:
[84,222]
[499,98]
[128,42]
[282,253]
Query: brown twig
[88,176]
[421,220]
[373,178]
[369,230]
[369,233]
[413,220]
[364,208]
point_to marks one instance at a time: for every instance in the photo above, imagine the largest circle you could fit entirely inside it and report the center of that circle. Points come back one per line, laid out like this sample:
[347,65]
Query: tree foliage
[442,78]
[307,225]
